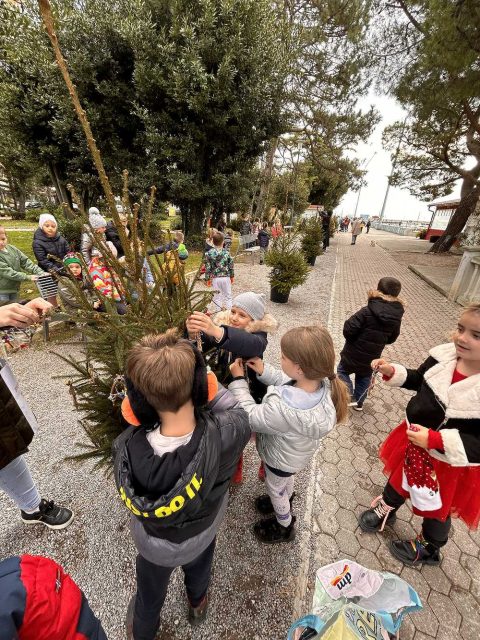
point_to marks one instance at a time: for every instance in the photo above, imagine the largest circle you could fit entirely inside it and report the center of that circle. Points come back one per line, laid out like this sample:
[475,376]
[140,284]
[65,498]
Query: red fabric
[458,377]
[435,440]
[459,486]
[387,378]
[53,601]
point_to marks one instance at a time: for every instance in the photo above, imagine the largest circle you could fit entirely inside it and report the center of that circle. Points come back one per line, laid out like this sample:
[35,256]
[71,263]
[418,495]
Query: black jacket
[112,235]
[263,239]
[178,495]
[15,431]
[43,246]
[369,330]
[454,410]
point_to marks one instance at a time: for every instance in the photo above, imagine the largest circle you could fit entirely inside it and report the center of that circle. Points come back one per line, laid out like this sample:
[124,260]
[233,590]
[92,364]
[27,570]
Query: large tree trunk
[192,219]
[266,179]
[457,221]
[60,190]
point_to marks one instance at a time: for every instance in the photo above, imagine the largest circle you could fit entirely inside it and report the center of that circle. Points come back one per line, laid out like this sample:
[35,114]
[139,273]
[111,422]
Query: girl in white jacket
[303,403]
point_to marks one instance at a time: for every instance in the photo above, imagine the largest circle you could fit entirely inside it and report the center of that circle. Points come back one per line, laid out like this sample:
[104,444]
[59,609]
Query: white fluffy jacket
[286,437]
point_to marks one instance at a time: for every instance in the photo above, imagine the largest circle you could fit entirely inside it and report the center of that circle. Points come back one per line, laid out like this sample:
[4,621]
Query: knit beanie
[71,258]
[93,210]
[46,217]
[96,220]
[252,303]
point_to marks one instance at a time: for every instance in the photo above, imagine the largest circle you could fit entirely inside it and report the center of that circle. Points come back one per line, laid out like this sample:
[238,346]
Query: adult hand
[34,277]
[383,366]
[418,435]
[41,306]
[256,364]
[199,321]
[236,368]
[17,315]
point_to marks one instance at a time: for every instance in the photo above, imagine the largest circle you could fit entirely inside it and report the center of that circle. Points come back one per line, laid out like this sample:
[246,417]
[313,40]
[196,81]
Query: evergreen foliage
[312,238]
[289,268]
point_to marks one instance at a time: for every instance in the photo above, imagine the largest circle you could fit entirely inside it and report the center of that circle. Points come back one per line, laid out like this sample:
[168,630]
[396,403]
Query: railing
[400,228]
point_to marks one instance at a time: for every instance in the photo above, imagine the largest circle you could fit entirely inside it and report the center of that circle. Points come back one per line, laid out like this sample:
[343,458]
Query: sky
[401,205]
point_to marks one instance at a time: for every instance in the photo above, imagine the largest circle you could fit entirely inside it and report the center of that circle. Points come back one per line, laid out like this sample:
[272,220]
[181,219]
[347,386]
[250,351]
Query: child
[74,268]
[303,403]
[48,245]
[105,281]
[433,456]
[366,334]
[174,478]
[227,239]
[263,241]
[179,238]
[219,273]
[241,332]
[15,268]
[99,226]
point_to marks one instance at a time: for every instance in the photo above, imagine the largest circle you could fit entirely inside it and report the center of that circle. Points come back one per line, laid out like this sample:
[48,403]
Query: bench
[244,243]
[48,288]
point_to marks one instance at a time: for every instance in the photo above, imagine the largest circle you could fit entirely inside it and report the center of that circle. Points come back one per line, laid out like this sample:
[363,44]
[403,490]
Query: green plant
[421,234]
[71,230]
[289,268]
[195,242]
[234,224]
[312,238]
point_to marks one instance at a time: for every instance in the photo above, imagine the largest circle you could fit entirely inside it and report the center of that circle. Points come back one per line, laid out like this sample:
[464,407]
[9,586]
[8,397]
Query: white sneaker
[352,404]
[357,408]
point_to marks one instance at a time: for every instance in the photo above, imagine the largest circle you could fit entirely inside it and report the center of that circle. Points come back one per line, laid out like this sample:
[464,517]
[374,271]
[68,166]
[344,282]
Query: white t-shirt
[166,444]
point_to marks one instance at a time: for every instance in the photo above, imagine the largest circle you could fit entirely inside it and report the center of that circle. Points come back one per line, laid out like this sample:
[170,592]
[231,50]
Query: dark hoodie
[43,246]
[178,495]
[263,238]
[369,330]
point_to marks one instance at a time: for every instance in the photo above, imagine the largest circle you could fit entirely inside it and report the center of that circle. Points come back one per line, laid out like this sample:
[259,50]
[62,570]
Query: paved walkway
[348,471]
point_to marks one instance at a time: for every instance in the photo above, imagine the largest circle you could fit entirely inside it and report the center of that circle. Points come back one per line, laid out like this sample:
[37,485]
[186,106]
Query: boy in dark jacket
[263,241]
[366,334]
[173,473]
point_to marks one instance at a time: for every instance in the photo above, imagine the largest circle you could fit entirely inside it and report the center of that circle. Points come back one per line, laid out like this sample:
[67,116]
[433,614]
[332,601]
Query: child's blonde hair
[312,349]
[179,237]
[218,238]
[472,308]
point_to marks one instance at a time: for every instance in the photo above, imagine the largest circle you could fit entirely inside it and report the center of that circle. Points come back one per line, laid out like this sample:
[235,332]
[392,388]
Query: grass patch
[18,224]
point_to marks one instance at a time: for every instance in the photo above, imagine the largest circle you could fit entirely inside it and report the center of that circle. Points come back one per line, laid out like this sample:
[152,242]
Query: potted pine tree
[312,240]
[289,269]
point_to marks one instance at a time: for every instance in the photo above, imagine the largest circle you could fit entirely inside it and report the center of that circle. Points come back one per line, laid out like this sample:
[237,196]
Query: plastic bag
[352,602]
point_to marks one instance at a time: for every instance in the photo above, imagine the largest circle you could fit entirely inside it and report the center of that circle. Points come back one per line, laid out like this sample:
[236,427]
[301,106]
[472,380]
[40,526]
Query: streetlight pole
[389,179]
[360,190]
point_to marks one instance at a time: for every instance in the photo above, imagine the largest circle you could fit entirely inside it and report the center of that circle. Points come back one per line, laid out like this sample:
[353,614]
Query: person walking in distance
[356,229]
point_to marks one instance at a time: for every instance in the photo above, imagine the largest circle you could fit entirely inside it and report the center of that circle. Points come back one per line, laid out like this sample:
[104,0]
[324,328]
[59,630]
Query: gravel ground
[254,588]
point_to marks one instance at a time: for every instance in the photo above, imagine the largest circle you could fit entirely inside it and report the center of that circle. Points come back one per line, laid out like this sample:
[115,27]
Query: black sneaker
[415,552]
[263,504]
[196,615]
[375,518]
[50,515]
[270,531]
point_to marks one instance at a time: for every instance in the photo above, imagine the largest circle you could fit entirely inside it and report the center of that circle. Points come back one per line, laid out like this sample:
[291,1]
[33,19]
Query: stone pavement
[347,474]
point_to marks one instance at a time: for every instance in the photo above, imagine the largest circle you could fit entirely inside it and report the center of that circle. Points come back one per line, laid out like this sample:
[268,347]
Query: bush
[234,224]
[421,234]
[195,242]
[289,269]
[71,230]
[312,239]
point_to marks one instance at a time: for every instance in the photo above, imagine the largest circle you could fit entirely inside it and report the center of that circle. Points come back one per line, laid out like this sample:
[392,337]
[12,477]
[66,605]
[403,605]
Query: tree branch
[411,17]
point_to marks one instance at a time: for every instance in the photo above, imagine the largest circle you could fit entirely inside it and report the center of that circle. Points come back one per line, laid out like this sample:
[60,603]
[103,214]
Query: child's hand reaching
[418,435]
[236,368]
[383,366]
[256,364]
[201,322]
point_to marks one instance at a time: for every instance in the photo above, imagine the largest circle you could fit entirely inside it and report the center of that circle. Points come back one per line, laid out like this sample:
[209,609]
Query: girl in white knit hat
[48,245]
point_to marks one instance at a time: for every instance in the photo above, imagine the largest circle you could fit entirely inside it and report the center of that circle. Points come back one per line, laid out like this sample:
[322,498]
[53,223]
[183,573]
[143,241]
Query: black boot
[264,505]
[375,518]
[415,552]
[196,615]
[270,531]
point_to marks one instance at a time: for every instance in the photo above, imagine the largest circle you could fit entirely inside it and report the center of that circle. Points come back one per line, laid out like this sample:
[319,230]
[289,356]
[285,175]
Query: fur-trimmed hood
[268,324]
[375,293]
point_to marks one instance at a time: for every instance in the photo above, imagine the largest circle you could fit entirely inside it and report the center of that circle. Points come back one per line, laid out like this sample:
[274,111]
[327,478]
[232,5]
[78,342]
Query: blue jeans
[16,481]
[9,297]
[359,393]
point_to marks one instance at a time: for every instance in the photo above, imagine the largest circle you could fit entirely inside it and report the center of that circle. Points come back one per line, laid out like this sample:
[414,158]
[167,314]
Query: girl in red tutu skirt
[433,456]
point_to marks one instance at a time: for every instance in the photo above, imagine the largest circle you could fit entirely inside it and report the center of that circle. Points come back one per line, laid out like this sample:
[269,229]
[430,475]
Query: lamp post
[360,190]
[394,164]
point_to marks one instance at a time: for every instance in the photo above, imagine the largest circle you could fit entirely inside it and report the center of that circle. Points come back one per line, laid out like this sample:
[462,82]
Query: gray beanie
[96,220]
[252,303]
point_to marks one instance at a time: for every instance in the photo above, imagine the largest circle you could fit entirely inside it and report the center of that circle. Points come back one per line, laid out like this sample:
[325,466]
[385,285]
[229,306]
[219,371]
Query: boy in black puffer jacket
[366,334]
[173,473]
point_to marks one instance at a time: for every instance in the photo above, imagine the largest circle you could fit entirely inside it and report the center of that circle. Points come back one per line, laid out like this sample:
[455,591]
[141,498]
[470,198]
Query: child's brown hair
[162,368]
[218,238]
[179,237]
[312,349]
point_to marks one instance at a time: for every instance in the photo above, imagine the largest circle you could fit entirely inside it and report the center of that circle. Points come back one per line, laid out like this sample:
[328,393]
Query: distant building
[442,210]
[312,211]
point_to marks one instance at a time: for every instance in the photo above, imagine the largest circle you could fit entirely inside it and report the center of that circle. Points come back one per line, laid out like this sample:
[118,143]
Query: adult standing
[356,229]
[221,225]
[49,246]
[326,217]
[346,224]
[277,229]
[16,433]
[368,226]
[112,235]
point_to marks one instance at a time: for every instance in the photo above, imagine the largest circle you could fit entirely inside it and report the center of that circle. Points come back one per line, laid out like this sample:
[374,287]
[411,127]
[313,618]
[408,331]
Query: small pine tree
[312,238]
[289,269]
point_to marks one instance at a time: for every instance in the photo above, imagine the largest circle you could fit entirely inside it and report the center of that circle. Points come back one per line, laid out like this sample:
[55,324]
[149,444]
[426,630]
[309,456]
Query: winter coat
[15,431]
[245,228]
[112,235]
[43,246]
[357,226]
[369,330]
[241,343]
[15,268]
[218,264]
[286,437]
[103,279]
[263,239]
[66,291]
[452,409]
[39,600]
[179,499]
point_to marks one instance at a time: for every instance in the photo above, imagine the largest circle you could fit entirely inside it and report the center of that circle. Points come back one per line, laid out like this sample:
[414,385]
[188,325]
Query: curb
[428,280]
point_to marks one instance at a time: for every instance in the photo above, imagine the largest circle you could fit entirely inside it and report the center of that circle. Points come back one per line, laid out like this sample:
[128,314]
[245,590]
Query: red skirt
[459,487]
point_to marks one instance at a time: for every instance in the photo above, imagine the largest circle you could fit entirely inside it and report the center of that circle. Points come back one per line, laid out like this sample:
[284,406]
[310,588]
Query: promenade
[257,590]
